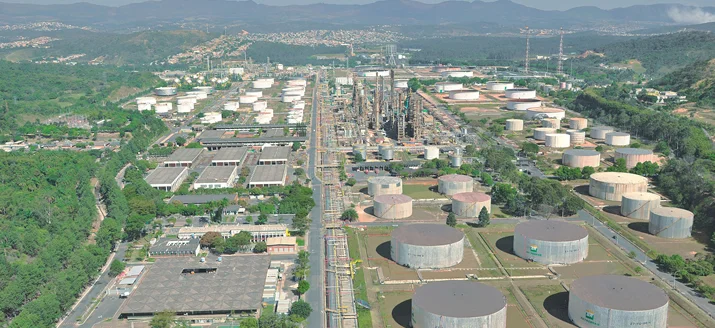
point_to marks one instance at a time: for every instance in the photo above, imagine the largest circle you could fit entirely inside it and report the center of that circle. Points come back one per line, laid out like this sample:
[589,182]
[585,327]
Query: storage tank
[162,108]
[540,133]
[578,123]
[670,222]
[599,132]
[259,106]
[551,241]
[254,93]
[361,149]
[441,87]
[143,107]
[458,304]
[205,89]
[288,98]
[513,124]
[262,84]
[544,112]
[618,139]
[470,204]
[431,152]
[611,301]
[297,82]
[146,100]
[293,91]
[551,123]
[464,95]
[165,91]
[392,206]
[197,94]
[400,84]
[247,99]
[578,137]
[634,156]
[383,185]
[387,152]
[637,205]
[186,100]
[427,246]
[454,183]
[499,85]
[455,160]
[581,158]
[612,185]
[520,93]
[522,104]
[231,106]
[458,74]
[558,140]
[184,108]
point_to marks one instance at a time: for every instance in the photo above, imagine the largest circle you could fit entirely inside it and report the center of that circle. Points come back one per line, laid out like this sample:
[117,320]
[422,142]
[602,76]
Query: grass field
[420,191]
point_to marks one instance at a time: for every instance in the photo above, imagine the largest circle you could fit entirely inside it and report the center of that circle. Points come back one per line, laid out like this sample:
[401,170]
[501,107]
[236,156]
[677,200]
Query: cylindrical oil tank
[262,84]
[143,107]
[186,100]
[581,158]
[618,139]
[522,104]
[441,87]
[470,204]
[360,149]
[458,304]
[146,100]
[520,93]
[578,137]
[612,185]
[540,133]
[551,241]
[599,132]
[499,85]
[392,206]
[578,123]
[289,98]
[297,82]
[458,74]
[259,106]
[400,84]
[431,152]
[427,246]
[454,184]
[293,91]
[464,95]
[637,205]
[383,185]
[551,123]
[254,93]
[612,301]
[165,91]
[207,89]
[455,160]
[543,112]
[670,222]
[388,153]
[513,124]
[634,156]
[558,140]
[247,99]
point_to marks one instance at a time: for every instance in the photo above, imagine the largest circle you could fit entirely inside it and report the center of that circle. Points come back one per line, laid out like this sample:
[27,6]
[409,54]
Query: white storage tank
[205,89]
[465,94]
[551,123]
[262,84]
[254,93]
[633,156]
[470,204]
[458,304]
[458,74]
[231,106]
[558,140]
[612,185]
[599,132]
[578,137]
[297,82]
[143,107]
[551,242]
[520,93]
[400,84]
[544,112]
[581,158]
[513,124]
[522,104]
[540,133]
[618,139]
[247,99]
[427,246]
[441,87]
[259,106]
[578,123]
[499,85]
[637,205]
[184,108]
[165,91]
[452,184]
[392,206]
[288,98]
[186,100]
[670,222]
[294,91]
[382,185]
[431,152]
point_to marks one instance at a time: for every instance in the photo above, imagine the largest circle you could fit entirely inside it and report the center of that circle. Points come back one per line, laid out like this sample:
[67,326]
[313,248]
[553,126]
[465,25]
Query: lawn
[420,191]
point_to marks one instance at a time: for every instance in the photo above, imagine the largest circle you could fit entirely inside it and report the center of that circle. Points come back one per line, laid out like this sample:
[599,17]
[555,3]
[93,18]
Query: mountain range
[403,12]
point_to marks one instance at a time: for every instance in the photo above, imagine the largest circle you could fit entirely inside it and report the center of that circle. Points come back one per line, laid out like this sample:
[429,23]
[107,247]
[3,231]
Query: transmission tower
[560,69]
[526,62]
[391,52]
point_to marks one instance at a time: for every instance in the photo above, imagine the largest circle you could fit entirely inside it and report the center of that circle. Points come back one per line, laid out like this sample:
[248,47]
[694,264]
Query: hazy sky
[541,4]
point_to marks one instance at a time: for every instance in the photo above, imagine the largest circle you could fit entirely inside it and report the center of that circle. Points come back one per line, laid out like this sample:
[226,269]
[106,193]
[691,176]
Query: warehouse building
[268,175]
[281,245]
[259,232]
[205,291]
[167,178]
[214,177]
[274,156]
[173,247]
[183,157]
[229,156]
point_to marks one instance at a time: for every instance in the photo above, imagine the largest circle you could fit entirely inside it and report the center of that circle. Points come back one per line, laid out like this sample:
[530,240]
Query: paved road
[316,294]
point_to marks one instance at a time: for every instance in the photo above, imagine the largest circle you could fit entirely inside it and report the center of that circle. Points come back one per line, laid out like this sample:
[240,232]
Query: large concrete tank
[289,98]
[578,137]
[247,99]
[441,87]
[205,89]
[581,158]
[542,112]
[458,304]
[360,149]
[670,222]
[610,301]
[470,204]
[431,152]
[464,95]
[458,74]
[520,93]
[599,132]
[612,185]
[400,84]
[392,206]
[637,205]
[558,140]
[578,123]
[522,104]
[551,123]
[254,93]
[634,156]
[383,185]
[388,153]
[551,241]
[513,124]
[427,246]
[618,139]
[165,91]
[262,84]
[499,85]
[540,133]
[455,183]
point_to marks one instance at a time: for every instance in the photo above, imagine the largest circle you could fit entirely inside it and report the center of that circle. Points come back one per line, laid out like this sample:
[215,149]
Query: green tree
[638,270]
[194,145]
[358,158]
[530,148]
[262,219]
[483,217]
[249,323]
[662,147]
[295,146]
[116,267]
[299,172]
[260,247]
[599,148]
[301,309]
[164,319]
[349,215]
[646,169]
[586,172]
[502,192]
[471,150]
[303,287]
[451,220]
[189,222]
[209,238]
[487,179]
[180,141]
[618,166]
[351,182]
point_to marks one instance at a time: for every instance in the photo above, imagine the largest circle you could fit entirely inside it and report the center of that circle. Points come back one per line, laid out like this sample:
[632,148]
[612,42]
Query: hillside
[696,80]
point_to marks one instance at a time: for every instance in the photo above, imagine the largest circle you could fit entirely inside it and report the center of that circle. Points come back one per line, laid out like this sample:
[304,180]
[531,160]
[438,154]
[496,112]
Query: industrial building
[172,247]
[513,124]
[618,139]
[258,232]
[578,123]
[183,157]
[611,301]
[451,184]
[401,84]
[551,242]
[612,185]
[522,104]
[382,185]
[167,178]
[557,140]
[229,156]
[670,222]
[540,133]
[207,291]
[543,112]
[392,206]
[637,205]
[599,132]
[274,156]
[216,177]
[427,246]
[268,175]
[281,245]
[470,204]
[578,137]
[458,304]
[499,85]
[581,158]
[633,156]
[520,93]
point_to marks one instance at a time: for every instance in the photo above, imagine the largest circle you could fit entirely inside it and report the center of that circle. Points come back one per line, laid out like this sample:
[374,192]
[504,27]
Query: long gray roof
[236,285]
[216,174]
[185,155]
[164,175]
[550,230]
[268,173]
[230,154]
[459,299]
[427,234]
[619,292]
[274,153]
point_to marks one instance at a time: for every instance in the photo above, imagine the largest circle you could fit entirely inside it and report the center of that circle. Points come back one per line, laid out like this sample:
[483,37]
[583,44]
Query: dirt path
[371,290]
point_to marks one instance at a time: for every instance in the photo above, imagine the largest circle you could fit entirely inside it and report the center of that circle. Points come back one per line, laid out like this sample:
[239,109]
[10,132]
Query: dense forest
[696,81]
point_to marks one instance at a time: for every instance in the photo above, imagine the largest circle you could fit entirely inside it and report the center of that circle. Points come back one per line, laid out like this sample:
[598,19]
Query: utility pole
[526,62]
[268,64]
[560,70]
